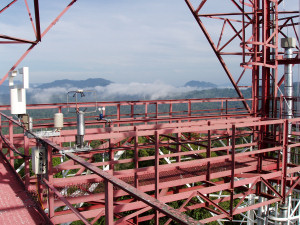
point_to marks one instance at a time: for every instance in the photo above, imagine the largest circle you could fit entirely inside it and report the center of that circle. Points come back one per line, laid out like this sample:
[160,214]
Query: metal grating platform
[16,205]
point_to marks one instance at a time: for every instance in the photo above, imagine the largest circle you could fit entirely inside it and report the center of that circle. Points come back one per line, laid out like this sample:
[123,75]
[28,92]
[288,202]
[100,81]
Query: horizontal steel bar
[163,208]
[62,198]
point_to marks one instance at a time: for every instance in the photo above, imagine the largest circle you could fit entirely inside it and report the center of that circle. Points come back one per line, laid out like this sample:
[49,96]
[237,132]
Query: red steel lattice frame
[36,29]
[247,165]
[217,167]
[259,50]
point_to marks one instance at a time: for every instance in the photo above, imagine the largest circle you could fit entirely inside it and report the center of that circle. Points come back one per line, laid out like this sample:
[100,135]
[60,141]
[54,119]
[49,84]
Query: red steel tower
[192,161]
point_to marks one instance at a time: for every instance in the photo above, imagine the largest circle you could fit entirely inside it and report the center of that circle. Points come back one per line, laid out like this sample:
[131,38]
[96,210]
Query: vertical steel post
[111,156]
[50,179]
[37,20]
[156,110]
[136,166]
[232,170]
[208,155]
[109,195]
[146,110]
[178,146]
[170,110]
[255,70]
[26,161]
[274,56]
[118,112]
[1,141]
[189,109]
[109,205]
[259,185]
[11,140]
[132,113]
[265,106]
[156,174]
[243,32]
[136,158]
[284,205]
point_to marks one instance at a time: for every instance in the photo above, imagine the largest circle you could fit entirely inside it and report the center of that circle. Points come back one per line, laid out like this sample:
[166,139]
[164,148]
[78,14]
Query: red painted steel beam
[11,146]
[204,127]
[240,210]
[7,6]
[201,25]
[30,17]
[63,199]
[38,33]
[93,210]
[150,169]
[294,185]
[126,103]
[58,17]
[214,204]
[161,207]
[17,63]
[37,20]
[133,205]
[18,40]
[109,202]
[225,186]
[288,61]
[126,174]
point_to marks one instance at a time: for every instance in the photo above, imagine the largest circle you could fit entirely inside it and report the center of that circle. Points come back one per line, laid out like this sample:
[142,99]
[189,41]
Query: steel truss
[253,30]
[215,165]
[34,19]
[161,162]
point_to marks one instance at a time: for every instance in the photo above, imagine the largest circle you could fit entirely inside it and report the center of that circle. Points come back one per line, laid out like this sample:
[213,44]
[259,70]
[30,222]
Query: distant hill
[200,84]
[91,82]
[56,91]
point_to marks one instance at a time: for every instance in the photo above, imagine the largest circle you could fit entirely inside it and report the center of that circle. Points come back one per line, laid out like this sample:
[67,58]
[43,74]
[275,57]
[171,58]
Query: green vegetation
[180,109]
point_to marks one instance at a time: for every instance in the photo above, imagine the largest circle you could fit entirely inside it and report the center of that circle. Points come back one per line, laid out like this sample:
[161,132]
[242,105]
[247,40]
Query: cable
[38,193]
[11,146]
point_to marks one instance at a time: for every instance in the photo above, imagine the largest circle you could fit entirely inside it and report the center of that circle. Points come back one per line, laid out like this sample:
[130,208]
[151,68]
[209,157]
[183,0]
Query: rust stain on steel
[153,202]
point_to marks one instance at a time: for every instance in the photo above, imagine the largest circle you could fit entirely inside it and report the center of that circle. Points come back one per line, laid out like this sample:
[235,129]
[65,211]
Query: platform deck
[16,205]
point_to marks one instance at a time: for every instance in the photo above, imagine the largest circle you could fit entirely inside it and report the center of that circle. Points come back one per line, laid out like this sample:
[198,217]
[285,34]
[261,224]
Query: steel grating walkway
[166,175]
[16,205]
[193,170]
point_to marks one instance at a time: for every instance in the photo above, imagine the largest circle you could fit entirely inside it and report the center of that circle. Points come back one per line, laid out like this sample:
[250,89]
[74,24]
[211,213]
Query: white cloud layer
[141,91]
[151,91]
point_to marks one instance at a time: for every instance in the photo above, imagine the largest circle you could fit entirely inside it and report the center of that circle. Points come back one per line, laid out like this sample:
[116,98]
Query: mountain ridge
[200,84]
[90,82]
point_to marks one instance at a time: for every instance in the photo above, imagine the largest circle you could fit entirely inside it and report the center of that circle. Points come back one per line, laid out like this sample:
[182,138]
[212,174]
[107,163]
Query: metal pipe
[288,83]
[80,123]
[80,129]
[288,44]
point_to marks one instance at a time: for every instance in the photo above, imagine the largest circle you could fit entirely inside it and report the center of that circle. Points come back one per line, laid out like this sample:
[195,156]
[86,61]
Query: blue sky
[120,40]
